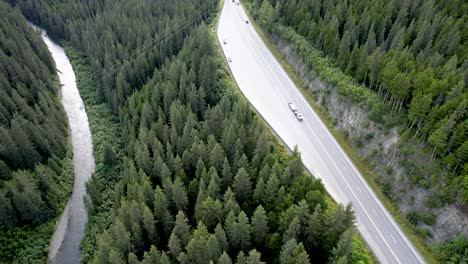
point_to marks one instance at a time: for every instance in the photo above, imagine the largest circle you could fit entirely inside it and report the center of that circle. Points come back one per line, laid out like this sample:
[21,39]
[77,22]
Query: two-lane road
[269,89]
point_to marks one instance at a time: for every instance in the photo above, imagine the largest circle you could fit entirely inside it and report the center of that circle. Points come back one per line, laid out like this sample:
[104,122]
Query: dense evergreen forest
[206,181]
[36,170]
[33,127]
[202,177]
[412,53]
[118,37]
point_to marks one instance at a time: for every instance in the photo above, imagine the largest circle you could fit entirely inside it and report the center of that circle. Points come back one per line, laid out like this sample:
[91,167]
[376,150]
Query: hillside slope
[202,178]
[401,108]
[35,165]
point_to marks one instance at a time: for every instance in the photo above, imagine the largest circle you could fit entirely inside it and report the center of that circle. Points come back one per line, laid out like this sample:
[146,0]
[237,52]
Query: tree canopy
[202,178]
[185,149]
[36,172]
[410,54]
[33,127]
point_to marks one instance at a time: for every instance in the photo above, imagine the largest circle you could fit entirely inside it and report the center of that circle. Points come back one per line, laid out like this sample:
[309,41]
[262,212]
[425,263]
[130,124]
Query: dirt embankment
[403,168]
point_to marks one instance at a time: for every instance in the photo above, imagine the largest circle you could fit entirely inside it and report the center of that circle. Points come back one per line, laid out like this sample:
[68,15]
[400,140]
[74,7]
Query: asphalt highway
[269,89]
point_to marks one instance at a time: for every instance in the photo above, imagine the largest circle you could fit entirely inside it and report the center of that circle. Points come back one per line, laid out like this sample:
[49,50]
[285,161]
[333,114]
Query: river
[65,243]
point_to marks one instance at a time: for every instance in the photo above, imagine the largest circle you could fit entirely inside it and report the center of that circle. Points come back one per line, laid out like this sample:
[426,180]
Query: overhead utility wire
[163,37]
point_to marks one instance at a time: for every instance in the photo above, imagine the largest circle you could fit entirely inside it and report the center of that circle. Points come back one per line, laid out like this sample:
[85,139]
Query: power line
[176,28]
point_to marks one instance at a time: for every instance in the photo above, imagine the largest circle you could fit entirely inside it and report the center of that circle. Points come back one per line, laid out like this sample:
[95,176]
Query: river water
[65,243]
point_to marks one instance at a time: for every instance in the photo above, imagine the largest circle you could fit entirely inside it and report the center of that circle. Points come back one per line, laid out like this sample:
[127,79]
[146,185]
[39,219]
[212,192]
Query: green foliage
[106,133]
[108,31]
[292,253]
[110,158]
[415,217]
[259,226]
[26,244]
[179,153]
[382,54]
[182,188]
[208,128]
[36,171]
[33,127]
[359,254]
[324,69]
[454,251]
[343,249]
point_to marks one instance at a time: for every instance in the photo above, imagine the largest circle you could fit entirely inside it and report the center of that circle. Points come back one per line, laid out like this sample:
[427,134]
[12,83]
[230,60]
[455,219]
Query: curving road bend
[65,243]
[269,89]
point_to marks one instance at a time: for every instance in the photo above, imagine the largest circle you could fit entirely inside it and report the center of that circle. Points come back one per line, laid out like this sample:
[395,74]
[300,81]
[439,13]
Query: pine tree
[259,226]
[315,228]
[214,185]
[217,157]
[149,224]
[295,165]
[8,219]
[343,249]
[242,185]
[292,252]
[210,212]
[239,232]
[182,228]
[226,175]
[230,203]
[221,237]
[161,213]
[259,192]
[293,230]
[179,195]
[254,257]
[224,259]
[196,248]
[175,246]
[439,138]
[27,200]
[152,256]
[213,247]
[110,157]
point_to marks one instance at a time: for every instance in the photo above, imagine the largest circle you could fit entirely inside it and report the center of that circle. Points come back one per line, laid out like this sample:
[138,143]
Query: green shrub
[454,251]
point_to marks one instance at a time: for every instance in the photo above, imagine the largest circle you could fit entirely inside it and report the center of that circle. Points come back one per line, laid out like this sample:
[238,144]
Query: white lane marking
[339,171]
[356,198]
[375,212]
[359,189]
[346,158]
[363,182]
[270,70]
[271,73]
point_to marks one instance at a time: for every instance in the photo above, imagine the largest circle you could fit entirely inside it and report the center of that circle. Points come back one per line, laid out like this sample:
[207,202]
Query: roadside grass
[408,229]
[359,246]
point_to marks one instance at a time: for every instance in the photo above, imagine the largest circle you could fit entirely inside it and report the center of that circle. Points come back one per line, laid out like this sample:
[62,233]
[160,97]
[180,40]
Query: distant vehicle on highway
[224,41]
[299,116]
[295,111]
[247,21]
[229,59]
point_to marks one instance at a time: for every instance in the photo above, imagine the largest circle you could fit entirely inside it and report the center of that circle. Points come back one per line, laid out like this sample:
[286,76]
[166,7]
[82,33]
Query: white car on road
[295,111]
